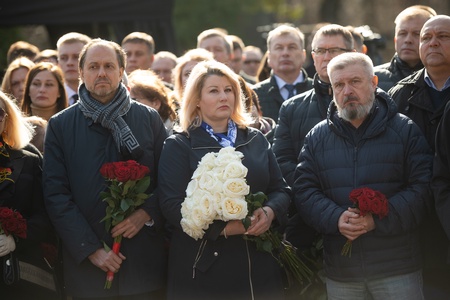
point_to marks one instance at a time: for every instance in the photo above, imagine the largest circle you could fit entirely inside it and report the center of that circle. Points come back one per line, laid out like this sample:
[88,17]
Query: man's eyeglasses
[332,51]
[251,61]
[3,114]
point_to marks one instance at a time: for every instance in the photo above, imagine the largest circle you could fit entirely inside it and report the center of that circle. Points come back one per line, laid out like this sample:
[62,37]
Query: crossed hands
[351,224]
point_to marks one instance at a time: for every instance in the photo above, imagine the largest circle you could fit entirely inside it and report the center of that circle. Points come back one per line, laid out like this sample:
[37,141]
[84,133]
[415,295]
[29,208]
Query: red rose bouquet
[126,192]
[12,222]
[367,201]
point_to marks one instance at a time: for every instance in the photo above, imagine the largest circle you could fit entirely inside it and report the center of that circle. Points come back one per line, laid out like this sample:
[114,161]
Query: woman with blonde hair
[21,191]
[213,117]
[45,94]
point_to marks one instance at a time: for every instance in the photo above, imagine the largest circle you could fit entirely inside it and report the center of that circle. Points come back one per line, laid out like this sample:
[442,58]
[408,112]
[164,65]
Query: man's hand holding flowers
[131,225]
[352,225]
[109,261]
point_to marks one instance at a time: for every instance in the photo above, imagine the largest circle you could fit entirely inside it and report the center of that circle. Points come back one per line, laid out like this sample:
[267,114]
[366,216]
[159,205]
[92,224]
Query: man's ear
[375,80]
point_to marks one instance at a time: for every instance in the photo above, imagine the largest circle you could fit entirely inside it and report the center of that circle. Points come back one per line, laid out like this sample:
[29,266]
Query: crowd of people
[308,141]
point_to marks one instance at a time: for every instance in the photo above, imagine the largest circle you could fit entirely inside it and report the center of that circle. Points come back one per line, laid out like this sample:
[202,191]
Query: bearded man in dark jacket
[365,143]
[406,41]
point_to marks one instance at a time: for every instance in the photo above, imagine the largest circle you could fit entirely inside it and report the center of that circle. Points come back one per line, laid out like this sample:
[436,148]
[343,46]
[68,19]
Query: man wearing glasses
[301,113]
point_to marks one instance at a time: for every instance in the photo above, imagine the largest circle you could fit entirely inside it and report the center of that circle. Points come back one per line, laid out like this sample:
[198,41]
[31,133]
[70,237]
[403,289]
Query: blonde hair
[17,132]
[189,115]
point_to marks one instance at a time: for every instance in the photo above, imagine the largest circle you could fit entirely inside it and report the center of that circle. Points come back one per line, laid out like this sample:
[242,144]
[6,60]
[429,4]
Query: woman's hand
[262,219]
[7,244]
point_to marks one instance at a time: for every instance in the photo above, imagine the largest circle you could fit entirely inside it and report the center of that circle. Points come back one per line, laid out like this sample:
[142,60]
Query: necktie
[290,88]
[75,98]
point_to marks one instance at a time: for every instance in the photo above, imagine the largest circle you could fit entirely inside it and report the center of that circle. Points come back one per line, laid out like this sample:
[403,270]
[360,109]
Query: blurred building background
[174,24]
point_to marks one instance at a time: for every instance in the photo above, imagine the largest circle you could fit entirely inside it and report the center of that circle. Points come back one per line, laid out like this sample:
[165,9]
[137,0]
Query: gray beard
[354,111]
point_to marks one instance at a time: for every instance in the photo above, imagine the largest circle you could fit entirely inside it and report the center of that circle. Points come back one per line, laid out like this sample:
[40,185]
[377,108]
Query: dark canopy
[112,19]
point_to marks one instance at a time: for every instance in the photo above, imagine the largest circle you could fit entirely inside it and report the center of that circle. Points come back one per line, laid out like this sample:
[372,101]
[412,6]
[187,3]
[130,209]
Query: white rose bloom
[235,169]
[192,186]
[235,187]
[190,229]
[234,209]
[208,181]
[205,203]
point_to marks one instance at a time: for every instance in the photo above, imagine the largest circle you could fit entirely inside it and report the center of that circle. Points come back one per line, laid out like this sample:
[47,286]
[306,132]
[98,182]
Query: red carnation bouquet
[367,201]
[127,185]
[12,222]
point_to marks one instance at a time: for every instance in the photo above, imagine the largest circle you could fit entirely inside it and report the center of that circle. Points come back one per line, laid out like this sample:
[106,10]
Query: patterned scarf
[110,116]
[227,140]
[5,163]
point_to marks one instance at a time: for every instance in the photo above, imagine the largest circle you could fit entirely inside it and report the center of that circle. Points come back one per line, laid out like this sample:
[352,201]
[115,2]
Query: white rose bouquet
[218,190]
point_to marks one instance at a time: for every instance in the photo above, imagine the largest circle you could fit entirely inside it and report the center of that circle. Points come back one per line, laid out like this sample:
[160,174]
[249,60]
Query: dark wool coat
[413,100]
[75,150]
[441,173]
[222,271]
[387,153]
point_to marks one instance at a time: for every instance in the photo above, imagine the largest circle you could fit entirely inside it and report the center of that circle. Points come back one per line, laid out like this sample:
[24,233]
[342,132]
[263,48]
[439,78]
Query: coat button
[216,254]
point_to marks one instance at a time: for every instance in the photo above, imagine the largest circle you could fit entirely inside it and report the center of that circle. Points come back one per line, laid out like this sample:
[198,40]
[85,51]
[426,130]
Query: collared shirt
[430,83]
[70,94]
[281,83]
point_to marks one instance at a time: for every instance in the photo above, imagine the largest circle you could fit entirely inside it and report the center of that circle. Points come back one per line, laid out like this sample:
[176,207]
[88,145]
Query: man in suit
[286,51]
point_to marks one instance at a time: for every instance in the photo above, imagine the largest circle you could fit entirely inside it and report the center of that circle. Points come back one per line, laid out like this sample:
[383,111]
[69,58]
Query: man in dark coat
[301,113]
[365,143]
[286,52]
[105,125]
[406,60]
[422,97]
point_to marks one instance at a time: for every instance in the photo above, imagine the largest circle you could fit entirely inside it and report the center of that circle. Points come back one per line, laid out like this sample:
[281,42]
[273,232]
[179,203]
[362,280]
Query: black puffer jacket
[387,153]
[392,72]
[297,117]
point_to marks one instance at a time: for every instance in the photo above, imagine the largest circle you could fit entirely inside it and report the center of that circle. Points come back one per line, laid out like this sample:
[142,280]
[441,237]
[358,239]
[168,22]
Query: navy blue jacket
[387,153]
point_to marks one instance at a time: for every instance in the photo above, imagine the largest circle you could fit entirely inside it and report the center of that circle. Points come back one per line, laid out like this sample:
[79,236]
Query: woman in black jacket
[222,264]
[21,191]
